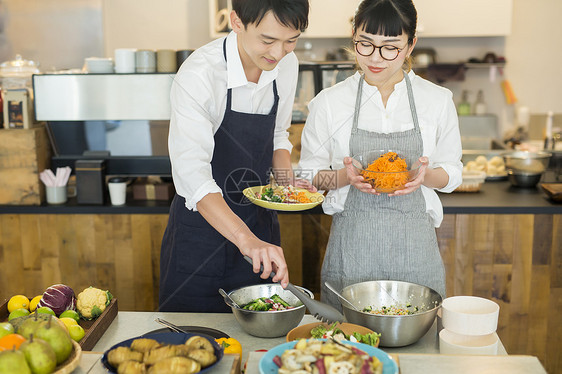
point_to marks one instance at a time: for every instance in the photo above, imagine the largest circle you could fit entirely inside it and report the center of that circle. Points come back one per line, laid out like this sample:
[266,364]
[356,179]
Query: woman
[383,236]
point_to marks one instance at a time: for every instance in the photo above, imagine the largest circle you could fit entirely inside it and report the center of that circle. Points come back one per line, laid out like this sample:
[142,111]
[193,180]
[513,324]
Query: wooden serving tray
[553,190]
[94,329]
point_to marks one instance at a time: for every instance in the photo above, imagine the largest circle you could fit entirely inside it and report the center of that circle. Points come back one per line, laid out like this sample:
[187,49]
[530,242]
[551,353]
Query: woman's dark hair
[293,13]
[387,17]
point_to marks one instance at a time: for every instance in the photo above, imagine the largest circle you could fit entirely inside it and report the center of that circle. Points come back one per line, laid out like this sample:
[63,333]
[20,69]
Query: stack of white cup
[469,326]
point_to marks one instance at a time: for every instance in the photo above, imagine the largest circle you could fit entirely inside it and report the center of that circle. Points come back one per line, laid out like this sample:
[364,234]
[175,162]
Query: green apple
[6,328]
[46,310]
[18,313]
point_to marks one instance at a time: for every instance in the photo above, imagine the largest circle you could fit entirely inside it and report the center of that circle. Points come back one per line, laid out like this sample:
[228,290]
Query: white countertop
[415,358]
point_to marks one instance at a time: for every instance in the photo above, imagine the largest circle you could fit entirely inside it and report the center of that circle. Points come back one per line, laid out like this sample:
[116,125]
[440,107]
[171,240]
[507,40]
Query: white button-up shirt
[325,138]
[198,103]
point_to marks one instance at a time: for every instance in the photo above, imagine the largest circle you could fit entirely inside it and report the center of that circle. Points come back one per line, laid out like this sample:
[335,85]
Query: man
[232,102]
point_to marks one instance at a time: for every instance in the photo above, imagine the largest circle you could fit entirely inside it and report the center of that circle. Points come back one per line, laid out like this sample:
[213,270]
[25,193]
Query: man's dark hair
[292,13]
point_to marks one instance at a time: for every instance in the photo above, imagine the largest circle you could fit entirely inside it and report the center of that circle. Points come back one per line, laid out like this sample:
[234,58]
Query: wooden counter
[502,244]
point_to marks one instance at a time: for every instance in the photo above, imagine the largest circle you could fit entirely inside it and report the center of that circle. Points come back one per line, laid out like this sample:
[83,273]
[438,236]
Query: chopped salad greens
[284,194]
[266,304]
[393,310]
[321,332]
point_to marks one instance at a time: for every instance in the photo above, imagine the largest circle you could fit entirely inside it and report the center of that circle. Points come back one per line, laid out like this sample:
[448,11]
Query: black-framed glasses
[387,52]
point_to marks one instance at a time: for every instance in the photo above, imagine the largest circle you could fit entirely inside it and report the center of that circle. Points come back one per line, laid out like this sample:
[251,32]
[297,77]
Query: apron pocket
[200,251]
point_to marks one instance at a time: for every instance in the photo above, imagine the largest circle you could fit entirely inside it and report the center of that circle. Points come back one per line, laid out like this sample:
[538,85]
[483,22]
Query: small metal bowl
[395,330]
[524,180]
[267,324]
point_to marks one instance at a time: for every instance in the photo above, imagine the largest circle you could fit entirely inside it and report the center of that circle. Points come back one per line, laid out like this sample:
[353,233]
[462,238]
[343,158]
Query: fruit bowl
[385,181]
[71,362]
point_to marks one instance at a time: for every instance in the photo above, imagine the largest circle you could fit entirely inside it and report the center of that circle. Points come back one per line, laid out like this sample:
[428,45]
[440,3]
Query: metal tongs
[320,310]
[170,325]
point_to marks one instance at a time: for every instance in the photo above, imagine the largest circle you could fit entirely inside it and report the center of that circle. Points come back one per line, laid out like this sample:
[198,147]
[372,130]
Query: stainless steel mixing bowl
[395,330]
[267,324]
[526,162]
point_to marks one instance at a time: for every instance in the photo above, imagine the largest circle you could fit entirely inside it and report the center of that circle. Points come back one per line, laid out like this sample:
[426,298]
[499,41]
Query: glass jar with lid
[17,73]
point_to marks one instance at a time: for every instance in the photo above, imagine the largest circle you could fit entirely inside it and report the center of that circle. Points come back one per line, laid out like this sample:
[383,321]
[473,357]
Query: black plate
[168,338]
[217,334]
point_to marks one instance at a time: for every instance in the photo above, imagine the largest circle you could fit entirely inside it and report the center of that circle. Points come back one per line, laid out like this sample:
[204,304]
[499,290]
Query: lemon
[33,303]
[18,302]
[18,313]
[76,332]
[68,322]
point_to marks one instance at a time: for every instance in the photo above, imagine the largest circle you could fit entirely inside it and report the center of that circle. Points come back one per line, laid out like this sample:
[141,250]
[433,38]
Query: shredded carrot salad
[385,172]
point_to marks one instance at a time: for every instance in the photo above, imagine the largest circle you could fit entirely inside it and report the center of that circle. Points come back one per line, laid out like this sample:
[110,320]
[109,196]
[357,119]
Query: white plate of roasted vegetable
[188,353]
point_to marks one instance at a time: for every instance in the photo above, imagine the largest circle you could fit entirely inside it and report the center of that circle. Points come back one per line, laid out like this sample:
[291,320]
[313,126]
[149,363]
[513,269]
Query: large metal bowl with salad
[401,312]
[267,310]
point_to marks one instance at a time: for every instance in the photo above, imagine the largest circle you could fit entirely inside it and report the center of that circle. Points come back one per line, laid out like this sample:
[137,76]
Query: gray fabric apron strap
[196,260]
[382,237]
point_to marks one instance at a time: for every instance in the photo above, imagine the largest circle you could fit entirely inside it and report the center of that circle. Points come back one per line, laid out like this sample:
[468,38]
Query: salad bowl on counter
[340,331]
[267,323]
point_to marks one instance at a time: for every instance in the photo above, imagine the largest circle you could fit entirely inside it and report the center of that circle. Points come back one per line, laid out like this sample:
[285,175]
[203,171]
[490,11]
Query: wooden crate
[24,153]
[94,329]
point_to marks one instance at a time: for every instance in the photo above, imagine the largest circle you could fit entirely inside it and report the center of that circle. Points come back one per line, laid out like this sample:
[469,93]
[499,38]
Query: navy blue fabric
[196,260]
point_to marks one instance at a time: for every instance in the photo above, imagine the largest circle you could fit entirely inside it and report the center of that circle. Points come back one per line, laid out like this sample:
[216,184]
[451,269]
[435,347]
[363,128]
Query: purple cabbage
[58,297]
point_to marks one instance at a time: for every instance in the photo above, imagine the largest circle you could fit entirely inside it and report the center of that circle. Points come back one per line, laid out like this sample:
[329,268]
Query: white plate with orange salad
[285,198]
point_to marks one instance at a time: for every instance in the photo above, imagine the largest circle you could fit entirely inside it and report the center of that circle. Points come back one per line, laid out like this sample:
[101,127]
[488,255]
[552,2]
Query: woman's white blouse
[198,103]
[325,138]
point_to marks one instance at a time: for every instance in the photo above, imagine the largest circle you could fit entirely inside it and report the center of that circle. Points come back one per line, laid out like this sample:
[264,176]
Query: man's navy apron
[196,260]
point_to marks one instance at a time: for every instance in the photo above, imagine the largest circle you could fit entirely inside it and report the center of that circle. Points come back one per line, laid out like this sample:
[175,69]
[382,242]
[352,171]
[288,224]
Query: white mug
[125,60]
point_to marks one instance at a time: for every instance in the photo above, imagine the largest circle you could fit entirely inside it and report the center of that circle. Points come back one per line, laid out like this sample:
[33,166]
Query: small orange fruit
[11,341]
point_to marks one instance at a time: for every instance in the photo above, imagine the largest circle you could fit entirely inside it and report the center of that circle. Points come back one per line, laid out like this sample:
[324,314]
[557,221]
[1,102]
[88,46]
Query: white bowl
[99,65]
[457,344]
[470,315]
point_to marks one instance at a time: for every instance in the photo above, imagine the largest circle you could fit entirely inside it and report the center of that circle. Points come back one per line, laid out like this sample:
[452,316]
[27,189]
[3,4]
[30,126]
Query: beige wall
[534,54]
[149,24]
[58,34]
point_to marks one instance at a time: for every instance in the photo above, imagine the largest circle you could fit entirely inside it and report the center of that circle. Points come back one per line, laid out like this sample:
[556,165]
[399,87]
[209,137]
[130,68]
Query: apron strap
[412,102]
[357,105]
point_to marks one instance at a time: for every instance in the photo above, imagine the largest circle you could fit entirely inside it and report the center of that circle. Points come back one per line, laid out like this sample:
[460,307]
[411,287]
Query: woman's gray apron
[383,237]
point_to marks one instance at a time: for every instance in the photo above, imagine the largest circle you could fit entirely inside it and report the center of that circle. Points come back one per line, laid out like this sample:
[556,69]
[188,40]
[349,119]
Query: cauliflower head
[92,302]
